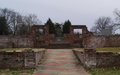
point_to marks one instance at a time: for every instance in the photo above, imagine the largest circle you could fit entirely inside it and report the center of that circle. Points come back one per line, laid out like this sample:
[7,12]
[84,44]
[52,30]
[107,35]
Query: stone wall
[24,41]
[79,55]
[89,40]
[20,59]
[51,36]
[77,41]
[12,41]
[66,37]
[102,41]
[107,59]
[92,59]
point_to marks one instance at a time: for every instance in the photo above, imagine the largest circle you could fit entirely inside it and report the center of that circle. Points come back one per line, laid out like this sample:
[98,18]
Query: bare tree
[7,13]
[30,20]
[19,22]
[102,23]
[11,17]
[117,24]
[16,21]
[117,14]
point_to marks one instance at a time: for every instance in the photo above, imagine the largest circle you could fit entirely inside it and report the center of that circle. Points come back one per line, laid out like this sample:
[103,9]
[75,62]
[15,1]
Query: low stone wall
[79,55]
[92,59]
[20,59]
[74,40]
[24,41]
[13,41]
[51,36]
[67,37]
[107,59]
[95,41]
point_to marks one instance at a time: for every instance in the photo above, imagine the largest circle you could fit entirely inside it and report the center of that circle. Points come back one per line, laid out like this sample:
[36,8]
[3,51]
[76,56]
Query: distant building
[106,31]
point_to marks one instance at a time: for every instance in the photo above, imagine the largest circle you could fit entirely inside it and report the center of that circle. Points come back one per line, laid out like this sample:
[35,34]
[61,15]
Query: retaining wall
[92,59]
[20,59]
[13,41]
[102,41]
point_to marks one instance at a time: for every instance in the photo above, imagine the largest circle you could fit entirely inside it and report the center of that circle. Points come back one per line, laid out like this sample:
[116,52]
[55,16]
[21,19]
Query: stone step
[58,39]
[59,47]
[59,43]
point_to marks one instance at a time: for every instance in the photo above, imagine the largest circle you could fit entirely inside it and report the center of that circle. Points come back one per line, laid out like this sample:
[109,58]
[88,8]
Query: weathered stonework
[20,59]
[96,41]
[42,40]
[18,41]
[31,40]
[75,39]
[92,59]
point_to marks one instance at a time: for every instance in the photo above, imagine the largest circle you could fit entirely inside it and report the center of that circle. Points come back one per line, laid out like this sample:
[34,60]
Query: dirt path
[60,62]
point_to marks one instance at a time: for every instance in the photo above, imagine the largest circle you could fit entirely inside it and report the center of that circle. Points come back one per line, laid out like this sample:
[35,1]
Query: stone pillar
[34,37]
[71,36]
[46,35]
[90,58]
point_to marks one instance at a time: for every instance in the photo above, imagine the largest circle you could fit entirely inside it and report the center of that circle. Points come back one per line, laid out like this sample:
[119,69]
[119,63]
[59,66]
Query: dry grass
[16,72]
[13,49]
[104,71]
[108,49]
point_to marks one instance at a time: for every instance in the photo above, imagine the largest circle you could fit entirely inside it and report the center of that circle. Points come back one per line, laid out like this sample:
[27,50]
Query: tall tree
[51,26]
[58,29]
[4,28]
[102,23]
[11,18]
[66,27]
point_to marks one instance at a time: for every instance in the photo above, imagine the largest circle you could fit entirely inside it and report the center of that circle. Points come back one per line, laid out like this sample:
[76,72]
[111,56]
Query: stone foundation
[20,59]
[92,59]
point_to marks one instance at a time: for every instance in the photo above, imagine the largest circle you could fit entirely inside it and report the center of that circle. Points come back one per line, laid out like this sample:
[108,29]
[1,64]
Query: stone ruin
[26,59]
[39,37]
[90,58]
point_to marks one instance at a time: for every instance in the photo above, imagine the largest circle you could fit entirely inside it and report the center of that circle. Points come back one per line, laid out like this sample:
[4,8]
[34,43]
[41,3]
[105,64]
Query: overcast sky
[79,12]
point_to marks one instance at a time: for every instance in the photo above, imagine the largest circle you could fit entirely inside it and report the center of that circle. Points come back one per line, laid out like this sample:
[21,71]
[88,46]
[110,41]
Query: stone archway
[75,39]
[47,39]
[40,39]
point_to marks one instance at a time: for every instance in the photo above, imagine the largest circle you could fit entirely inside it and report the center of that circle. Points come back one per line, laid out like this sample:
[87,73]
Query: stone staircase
[58,43]
[58,39]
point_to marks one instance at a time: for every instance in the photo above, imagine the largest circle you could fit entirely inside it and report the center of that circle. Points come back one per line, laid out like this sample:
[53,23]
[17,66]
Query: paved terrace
[59,62]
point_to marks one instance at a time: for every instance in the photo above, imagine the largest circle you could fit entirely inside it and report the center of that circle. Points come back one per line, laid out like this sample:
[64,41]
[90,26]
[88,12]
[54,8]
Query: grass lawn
[12,49]
[16,72]
[109,49]
[104,71]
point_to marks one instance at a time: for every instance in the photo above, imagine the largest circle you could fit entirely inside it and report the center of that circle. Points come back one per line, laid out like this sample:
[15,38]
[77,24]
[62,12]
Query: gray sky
[79,12]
